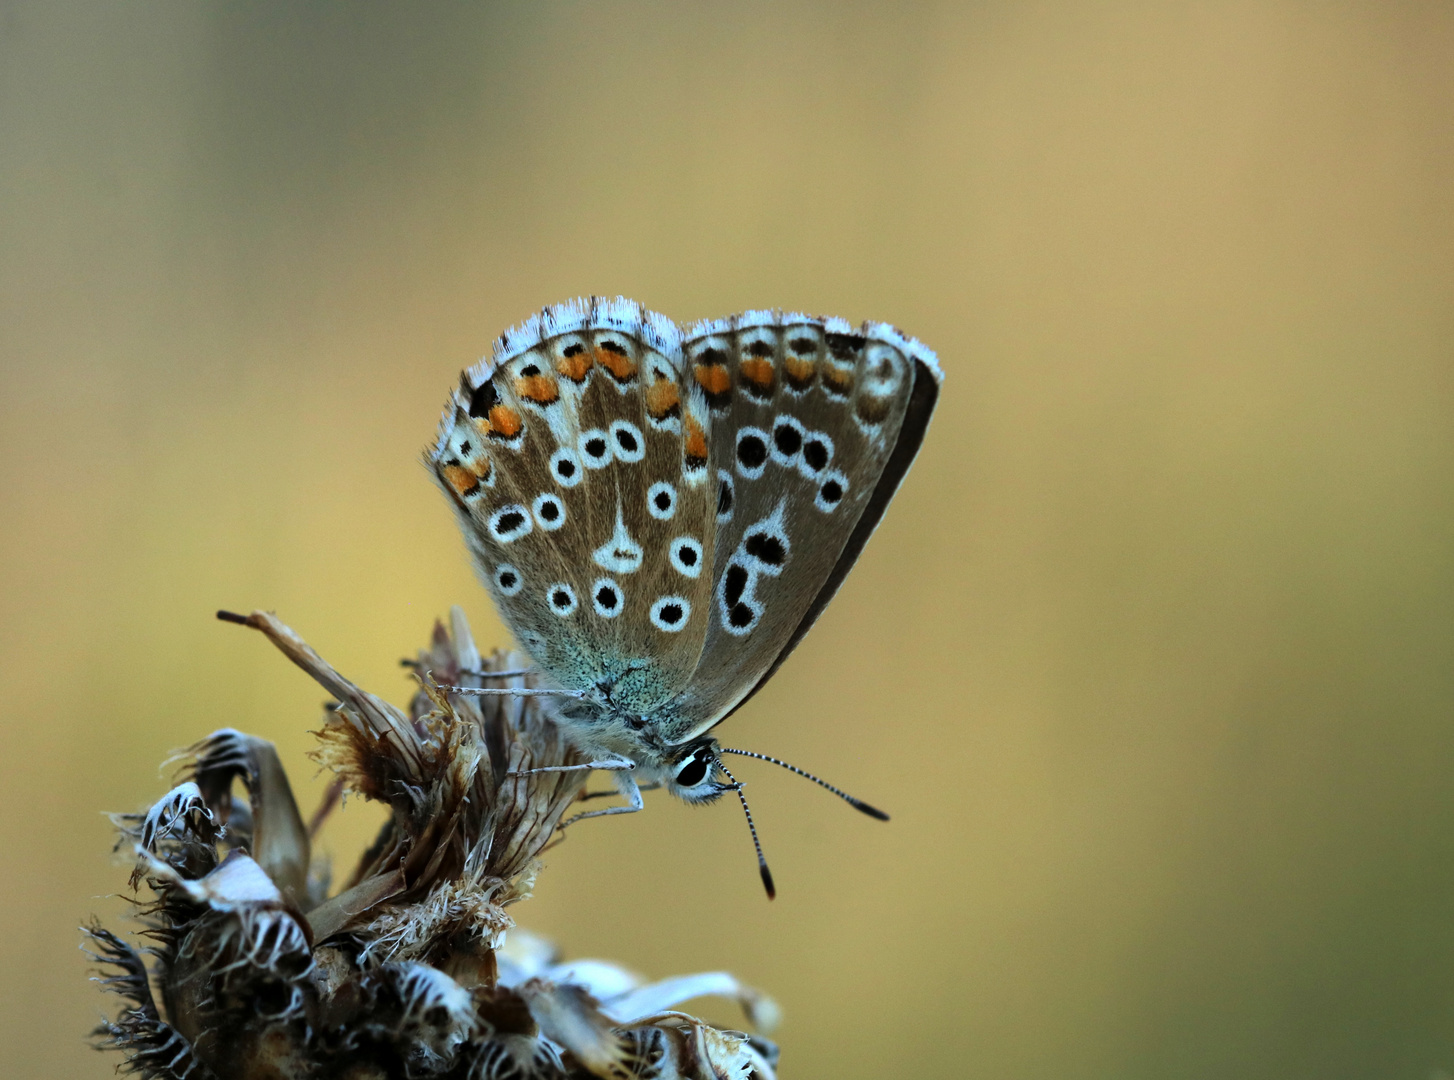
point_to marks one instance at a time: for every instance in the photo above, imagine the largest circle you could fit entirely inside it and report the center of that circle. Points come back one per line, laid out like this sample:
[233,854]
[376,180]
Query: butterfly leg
[612,764]
[628,786]
[606,794]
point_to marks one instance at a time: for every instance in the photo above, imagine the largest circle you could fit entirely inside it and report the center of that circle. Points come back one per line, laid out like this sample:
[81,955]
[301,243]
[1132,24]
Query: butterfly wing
[814,423]
[922,398]
[577,462]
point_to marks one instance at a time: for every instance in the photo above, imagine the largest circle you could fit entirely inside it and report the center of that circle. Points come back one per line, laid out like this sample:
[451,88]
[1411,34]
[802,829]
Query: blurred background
[1152,659]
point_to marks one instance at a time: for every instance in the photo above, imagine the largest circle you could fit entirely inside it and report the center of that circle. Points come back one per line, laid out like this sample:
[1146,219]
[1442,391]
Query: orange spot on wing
[661,398]
[799,371]
[541,389]
[575,367]
[504,422]
[757,371]
[713,378]
[838,378]
[460,478]
[696,444]
[619,365]
[872,410]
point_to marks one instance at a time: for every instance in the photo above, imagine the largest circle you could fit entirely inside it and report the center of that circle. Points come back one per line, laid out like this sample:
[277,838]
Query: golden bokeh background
[1152,659]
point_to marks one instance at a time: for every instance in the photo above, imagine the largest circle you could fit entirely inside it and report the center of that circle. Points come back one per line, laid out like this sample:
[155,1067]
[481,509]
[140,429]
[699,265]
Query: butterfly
[661,513]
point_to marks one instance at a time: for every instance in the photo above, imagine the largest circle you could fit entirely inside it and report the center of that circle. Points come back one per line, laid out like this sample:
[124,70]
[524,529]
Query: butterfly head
[694,773]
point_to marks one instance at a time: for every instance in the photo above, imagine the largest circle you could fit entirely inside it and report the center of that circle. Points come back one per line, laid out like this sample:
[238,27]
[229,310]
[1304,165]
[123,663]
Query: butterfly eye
[693,771]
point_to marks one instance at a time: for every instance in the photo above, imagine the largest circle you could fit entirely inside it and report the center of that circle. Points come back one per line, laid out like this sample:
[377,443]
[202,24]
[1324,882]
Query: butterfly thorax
[606,727]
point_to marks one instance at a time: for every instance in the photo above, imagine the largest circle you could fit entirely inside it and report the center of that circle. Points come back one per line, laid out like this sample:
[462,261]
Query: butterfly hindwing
[577,461]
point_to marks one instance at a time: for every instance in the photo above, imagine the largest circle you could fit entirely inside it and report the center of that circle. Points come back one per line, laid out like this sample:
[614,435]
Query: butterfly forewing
[920,407]
[806,415]
[578,461]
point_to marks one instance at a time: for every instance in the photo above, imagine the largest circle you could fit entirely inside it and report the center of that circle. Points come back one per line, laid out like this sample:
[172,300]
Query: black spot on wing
[765,548]
[483,398]
[815,453]
[787,438]
[751,452]
[734,583]
[845,346]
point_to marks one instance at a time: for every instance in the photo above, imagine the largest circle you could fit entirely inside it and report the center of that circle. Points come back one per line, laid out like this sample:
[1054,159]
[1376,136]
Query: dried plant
[414,968]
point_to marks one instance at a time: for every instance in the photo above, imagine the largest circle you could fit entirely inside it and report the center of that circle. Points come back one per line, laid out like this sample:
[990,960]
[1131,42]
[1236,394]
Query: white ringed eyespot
[765,547]
[686,556]
[788,435]
[661,500]
[752,452]
[831,491]
[670,613]
[595,448]
[565,466]
[549,511]
[509,523]
[561,598]
[508,580]
[817,453]
[739,608]
[630,446]
[607,598]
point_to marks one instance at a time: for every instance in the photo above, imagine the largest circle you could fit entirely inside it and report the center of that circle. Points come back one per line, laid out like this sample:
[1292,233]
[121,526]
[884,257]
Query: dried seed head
[413,969]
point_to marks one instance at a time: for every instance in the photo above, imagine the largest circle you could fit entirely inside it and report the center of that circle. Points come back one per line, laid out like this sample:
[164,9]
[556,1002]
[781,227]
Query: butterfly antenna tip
[857,804]
[762,869]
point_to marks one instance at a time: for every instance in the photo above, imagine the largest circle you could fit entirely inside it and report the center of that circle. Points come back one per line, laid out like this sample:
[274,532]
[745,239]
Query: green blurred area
[1152,659]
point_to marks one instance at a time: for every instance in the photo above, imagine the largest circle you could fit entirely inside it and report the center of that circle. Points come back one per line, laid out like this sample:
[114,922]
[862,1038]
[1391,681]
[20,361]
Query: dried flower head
[413,968]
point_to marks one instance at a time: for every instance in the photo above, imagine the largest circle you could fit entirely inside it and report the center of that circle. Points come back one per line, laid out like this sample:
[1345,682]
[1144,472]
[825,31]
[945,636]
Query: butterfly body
[660,513]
